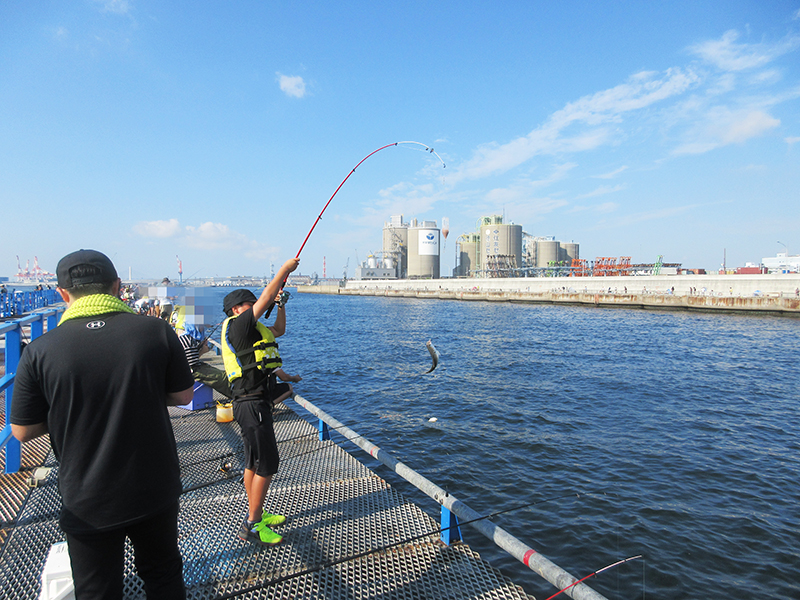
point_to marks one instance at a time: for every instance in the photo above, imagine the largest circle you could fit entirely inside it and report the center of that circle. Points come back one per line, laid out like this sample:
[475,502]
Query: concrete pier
[763,294]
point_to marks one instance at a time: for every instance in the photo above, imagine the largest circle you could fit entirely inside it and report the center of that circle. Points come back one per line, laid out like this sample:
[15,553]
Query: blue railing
[18,303]
[14,332]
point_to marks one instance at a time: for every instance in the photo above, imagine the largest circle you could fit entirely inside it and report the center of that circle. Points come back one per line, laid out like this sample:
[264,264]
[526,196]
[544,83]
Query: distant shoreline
[750,294]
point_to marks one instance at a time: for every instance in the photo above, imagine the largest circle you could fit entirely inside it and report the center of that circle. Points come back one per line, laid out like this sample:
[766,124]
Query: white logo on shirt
[95,324]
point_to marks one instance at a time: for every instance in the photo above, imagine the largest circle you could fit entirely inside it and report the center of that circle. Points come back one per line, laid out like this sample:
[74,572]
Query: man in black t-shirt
[100,384]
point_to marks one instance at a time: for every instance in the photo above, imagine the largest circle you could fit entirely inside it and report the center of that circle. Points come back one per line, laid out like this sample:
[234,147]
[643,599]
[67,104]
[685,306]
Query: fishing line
[353,170]
[408,540]
[611,566]
[429,149]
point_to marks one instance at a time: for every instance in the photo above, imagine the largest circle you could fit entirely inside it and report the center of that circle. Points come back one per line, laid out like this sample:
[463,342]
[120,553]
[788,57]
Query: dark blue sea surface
[673,435]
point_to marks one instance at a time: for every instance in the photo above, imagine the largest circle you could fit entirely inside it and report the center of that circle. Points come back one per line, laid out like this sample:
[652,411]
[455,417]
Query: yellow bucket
[224,412]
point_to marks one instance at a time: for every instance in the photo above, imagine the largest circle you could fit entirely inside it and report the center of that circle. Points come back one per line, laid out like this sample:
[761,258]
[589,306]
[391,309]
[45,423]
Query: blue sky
[216,131]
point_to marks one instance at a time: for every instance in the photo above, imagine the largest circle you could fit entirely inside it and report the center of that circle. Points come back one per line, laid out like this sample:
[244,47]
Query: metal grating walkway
[336,509]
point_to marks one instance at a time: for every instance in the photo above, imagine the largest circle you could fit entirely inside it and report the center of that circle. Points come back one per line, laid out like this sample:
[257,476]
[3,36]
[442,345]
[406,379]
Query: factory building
[395,244]
[411,250]
[498,249]
[377,268]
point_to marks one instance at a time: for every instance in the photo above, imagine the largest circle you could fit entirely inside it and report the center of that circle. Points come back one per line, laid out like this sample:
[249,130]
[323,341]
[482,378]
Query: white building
[782,263]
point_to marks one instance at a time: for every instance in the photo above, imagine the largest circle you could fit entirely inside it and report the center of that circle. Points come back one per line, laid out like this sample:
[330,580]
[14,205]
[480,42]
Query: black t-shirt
[242,334]
[101,384]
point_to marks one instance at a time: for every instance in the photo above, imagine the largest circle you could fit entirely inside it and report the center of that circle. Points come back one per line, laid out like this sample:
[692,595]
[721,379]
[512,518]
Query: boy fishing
[253,365]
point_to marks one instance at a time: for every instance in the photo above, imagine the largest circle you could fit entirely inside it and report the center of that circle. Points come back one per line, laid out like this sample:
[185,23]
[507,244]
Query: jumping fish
[434,355]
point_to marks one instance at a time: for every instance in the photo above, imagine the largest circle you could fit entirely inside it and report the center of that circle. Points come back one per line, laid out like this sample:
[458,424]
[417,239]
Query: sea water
[673,435]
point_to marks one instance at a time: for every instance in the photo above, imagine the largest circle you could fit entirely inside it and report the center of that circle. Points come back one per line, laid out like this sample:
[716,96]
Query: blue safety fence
[15,336]
[19,302]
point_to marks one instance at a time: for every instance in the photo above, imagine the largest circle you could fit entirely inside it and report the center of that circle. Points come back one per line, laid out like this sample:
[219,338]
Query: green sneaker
[259,534]
[270,519]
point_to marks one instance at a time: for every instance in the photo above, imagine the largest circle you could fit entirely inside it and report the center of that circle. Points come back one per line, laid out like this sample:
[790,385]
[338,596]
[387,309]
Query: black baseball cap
[106,273]
[235,298]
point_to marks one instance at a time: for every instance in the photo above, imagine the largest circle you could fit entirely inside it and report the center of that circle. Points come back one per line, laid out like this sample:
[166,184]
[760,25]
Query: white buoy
[432,420]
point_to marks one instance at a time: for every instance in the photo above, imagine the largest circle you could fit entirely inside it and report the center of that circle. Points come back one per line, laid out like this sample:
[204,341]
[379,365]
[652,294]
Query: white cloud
[120,7]
[206,236]
[158,229]
[627,219]
[604,208]
[293,86]
[607,207]
[745,126]
[766,77]
[612,174]
[728,55]
[596,111]
[640,91]
[722,126]
[213,236]
[602,191]
[791,140]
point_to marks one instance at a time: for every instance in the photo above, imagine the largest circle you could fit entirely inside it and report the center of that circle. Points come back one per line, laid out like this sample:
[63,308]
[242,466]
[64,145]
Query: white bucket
[57,575]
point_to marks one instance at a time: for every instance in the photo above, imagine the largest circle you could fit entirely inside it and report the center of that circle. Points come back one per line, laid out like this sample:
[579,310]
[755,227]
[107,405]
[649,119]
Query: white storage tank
[423,250]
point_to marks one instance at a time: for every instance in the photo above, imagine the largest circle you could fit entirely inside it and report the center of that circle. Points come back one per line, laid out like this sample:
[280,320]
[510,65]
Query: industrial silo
[569,252]
[501,248]
[423,250]
[547,251]
[395,243]
[468,245]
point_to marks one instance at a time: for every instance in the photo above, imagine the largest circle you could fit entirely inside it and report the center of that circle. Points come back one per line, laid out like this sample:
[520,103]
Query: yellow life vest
[267,358]
[178,318]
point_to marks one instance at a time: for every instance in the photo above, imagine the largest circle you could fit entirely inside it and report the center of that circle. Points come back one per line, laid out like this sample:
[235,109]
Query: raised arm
[279,326]
[268,295]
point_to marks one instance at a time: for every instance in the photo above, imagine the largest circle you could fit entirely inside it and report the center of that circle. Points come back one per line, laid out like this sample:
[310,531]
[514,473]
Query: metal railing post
[451,530]
[324,433]
[12,444]
[37,327]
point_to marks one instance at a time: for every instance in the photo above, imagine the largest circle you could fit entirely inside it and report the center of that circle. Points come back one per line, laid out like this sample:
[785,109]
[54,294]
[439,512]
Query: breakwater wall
[762,294]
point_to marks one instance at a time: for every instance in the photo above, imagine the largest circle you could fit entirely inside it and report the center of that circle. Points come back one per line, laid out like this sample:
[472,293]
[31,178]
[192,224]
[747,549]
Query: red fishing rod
[353,170]
[611,566]
[427,148]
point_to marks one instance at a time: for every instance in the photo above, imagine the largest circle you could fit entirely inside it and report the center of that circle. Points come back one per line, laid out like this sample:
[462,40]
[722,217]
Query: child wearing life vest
[253,366]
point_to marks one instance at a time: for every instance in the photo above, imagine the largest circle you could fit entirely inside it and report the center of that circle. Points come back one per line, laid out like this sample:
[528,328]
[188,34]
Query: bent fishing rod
[427,148]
